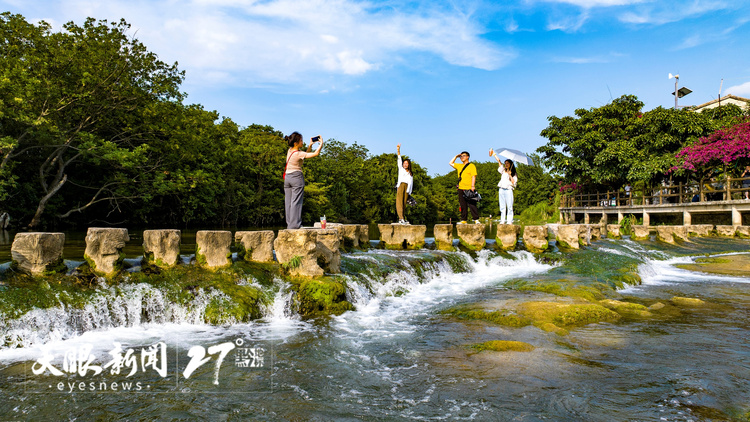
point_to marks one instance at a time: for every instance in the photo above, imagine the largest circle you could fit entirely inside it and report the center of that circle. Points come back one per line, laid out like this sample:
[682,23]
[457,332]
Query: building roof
[727,99]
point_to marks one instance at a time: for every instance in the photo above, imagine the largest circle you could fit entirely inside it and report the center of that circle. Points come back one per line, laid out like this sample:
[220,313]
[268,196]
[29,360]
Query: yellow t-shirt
[465,182]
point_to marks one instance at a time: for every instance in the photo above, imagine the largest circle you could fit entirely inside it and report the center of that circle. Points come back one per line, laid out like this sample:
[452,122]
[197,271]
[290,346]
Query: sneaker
[407,223]
[461,222]
[477,222]
[401,222]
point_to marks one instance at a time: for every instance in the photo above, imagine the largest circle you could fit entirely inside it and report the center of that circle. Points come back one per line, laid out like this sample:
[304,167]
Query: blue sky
[436,76]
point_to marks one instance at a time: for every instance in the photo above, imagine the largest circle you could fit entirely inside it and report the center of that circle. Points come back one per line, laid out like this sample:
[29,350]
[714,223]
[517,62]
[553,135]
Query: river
[400,356]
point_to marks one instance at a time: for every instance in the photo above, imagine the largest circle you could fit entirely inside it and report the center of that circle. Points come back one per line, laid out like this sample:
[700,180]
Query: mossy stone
[500,317]
[565,287]
[566,314]
[687,301]
[321,296]
[503,346]
[56,267]
[563,245]
[552,328]
[468,246]
[626,308]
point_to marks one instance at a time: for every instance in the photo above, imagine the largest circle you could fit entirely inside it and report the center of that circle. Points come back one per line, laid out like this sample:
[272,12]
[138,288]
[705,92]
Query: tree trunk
[43,202]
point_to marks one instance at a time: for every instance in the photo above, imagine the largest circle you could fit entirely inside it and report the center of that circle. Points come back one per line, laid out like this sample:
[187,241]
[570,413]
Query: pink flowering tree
[724,148]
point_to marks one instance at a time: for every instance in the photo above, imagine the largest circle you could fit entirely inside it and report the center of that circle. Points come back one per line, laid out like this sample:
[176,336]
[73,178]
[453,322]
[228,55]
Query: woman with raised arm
[507,184]
[403,185]
[294,180]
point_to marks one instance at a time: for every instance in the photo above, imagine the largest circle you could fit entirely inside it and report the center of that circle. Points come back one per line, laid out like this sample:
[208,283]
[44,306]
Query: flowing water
[397,357]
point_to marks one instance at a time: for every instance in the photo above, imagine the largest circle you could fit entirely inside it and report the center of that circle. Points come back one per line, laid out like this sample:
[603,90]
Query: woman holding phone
[294,180]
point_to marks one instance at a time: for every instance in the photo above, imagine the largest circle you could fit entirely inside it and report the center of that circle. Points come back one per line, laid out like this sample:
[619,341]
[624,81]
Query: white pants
[506,206]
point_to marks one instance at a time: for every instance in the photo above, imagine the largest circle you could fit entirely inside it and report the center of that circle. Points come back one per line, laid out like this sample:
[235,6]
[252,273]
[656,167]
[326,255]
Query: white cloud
[329,38]
[706,35]
[511,26]
[568,23]
[667,12]
[294,41]
[742,90]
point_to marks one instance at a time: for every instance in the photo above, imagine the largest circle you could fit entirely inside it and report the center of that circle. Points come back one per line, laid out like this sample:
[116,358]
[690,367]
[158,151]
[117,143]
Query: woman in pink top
[294,180]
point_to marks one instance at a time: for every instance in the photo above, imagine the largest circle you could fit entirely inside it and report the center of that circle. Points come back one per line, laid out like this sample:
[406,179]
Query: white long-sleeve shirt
[404,176]
[506,182]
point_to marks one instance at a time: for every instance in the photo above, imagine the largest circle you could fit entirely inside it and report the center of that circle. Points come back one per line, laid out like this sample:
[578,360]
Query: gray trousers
[294,189]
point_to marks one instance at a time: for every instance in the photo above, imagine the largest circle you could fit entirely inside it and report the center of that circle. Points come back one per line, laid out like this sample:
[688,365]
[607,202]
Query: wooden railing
[706,190]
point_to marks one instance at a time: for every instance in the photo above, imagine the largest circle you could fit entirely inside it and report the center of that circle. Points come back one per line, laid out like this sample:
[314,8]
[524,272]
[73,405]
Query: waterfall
[281,309]
[385,306]
[110,307]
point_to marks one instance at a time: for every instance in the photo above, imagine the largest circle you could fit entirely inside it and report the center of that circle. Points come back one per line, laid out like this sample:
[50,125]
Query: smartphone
[316,139]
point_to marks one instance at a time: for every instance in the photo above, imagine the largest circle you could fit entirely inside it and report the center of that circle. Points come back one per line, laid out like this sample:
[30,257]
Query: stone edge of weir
[313,252]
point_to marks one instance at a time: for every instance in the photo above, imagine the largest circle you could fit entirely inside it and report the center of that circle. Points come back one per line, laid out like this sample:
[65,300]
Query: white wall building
[727,99]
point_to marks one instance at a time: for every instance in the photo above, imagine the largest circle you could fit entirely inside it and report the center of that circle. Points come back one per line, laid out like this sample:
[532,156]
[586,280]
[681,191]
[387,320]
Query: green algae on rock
[323,296]
[564,287]
[552,328]
[555,317]
[549,316]
[626,308]
[503,346]
[687,301]
[501,317]
[566,314]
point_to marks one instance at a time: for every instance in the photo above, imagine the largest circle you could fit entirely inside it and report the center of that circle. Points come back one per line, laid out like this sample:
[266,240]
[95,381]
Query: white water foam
[112,307]
[279,318]
[664,272]
[390,309]
[640,251]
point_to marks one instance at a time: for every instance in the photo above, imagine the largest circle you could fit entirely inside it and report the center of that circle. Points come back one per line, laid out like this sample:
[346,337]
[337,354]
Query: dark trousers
[294,189]
[463,203]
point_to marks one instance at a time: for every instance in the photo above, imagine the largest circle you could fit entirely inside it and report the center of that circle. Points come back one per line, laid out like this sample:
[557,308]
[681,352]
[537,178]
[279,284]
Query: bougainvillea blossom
[724,146]
[570,187]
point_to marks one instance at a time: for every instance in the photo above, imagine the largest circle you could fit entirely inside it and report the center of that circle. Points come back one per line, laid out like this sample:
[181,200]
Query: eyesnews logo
[72,387]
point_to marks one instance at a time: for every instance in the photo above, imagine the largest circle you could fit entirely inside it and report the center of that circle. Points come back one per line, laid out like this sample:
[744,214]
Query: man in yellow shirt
[467,178]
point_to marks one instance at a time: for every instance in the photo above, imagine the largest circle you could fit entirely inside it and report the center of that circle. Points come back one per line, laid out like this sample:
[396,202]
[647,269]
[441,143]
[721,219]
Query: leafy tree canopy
[75,99]
[616,144]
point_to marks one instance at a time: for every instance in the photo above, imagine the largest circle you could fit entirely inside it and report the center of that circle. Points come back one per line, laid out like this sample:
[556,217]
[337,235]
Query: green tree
[74,105]
[593,147]
[340,169]
[256,162]
[616,144]
[535,185]
[188,184]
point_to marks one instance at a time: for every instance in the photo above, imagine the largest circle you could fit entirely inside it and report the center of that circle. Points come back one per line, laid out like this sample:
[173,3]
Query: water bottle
[323,222]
